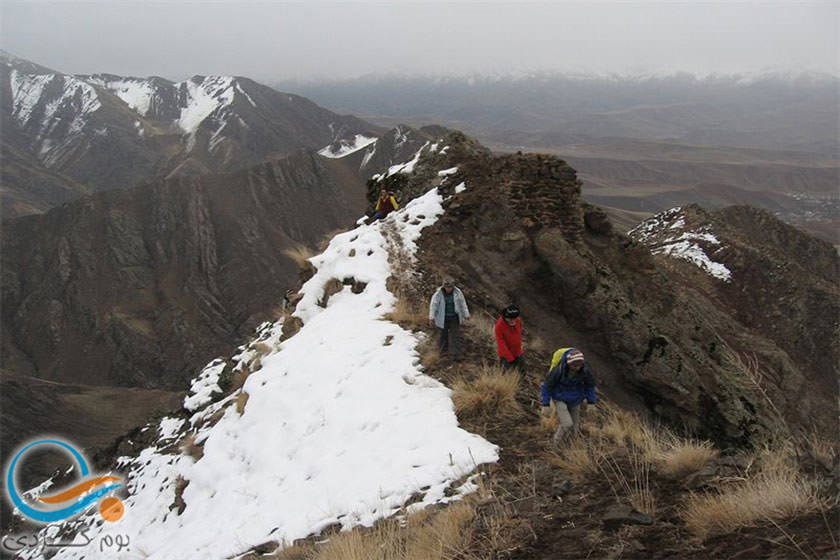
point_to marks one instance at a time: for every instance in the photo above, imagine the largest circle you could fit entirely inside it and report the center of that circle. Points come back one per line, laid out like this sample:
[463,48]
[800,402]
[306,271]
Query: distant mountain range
[66,135]
[773,111]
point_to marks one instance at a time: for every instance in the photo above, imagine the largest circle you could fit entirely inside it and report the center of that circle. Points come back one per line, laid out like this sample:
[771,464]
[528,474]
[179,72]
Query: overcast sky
[319,39]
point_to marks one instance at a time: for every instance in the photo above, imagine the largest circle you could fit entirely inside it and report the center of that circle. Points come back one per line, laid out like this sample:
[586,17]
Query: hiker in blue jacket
[568,383]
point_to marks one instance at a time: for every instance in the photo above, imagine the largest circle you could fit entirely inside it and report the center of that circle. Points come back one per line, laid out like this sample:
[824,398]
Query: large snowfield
[340,426]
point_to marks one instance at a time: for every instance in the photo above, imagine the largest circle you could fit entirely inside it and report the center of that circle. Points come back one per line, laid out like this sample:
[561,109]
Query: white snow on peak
[200,99]
[52,93]
[450,171]
[347,147]
[666,234]
[368,156]
[136,93]
[26,92]
[340,424]
[245,93]
[400,137]
[55,107]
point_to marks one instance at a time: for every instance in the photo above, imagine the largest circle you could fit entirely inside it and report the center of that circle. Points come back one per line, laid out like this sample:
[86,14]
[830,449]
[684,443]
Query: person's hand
[546,410]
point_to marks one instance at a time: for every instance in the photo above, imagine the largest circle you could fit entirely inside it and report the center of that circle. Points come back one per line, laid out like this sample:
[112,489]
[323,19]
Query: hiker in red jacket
[508,333]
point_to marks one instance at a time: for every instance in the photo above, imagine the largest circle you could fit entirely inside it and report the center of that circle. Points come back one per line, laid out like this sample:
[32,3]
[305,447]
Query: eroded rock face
[673,346]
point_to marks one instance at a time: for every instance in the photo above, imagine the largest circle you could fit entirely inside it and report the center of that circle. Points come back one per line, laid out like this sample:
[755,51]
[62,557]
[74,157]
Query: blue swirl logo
[111,508]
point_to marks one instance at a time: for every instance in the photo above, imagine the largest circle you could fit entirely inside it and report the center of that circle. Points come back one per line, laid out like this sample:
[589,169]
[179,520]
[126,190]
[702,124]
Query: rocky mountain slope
[776,280]
[107,132]
[521,234]
[135,287]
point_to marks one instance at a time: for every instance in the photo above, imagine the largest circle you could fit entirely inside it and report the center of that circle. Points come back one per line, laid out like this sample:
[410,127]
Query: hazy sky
[319,39]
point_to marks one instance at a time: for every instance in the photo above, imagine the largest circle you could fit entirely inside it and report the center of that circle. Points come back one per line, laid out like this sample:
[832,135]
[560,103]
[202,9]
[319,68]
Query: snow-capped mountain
[108,132]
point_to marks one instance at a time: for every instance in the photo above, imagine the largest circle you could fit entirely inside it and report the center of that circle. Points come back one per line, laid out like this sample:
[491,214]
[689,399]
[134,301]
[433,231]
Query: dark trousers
[450,336]
[518,363]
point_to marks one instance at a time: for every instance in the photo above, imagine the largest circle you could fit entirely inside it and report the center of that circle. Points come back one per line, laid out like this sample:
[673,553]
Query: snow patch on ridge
[347,147]
[407,167]
[665,234]
[205,385]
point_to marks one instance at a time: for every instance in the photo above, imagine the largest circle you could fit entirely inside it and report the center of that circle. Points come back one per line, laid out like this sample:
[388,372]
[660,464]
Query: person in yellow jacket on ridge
[384,205]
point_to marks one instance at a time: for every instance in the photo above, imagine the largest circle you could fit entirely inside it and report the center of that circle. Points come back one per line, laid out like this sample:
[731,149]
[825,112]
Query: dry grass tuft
[622,428]
[624,449]
[681,457]
[261,348]
[819,450]
[578,461]
[429,354]
[280,311]
[408,313]
[491,393]
[241,401]
[633,482]
[776,492]
[178,504]
[300,254]
[548,425]
[332,287]
[239,377]
[442,535]
[191,448]
[483,325]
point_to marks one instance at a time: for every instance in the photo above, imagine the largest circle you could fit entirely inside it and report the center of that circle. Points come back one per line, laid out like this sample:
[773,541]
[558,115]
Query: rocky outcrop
[542,191]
